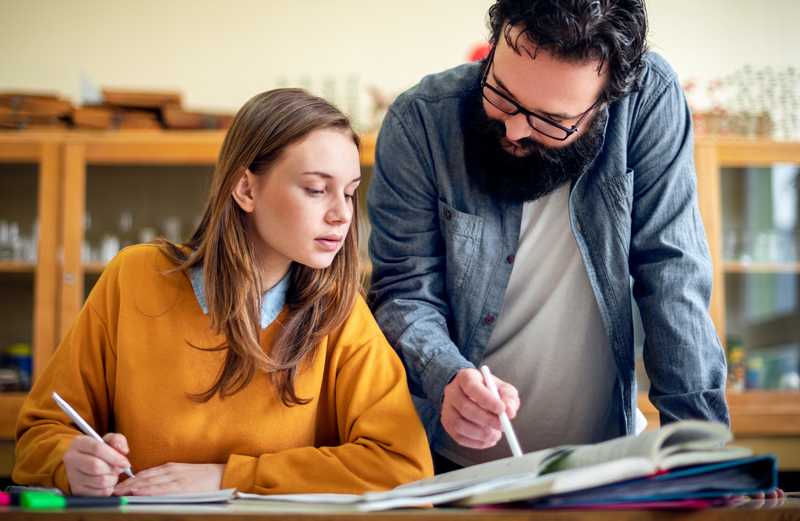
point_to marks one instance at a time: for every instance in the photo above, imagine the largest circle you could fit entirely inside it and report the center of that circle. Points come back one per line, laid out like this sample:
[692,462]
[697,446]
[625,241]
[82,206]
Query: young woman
[246,357]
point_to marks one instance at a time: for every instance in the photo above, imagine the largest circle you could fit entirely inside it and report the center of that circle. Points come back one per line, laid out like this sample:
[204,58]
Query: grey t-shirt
[549,341]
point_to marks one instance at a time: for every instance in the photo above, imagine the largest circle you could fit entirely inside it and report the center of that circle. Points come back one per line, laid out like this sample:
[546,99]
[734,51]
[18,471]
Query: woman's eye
[314,192]
[349,196]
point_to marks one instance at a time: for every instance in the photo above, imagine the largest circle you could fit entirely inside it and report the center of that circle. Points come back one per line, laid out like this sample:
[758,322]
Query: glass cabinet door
[29,179]
[126,188]
[18,252]
[134,204]
[760,254]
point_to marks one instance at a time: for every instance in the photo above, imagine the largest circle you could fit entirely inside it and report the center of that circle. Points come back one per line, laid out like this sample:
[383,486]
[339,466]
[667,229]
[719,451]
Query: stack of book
[681,465]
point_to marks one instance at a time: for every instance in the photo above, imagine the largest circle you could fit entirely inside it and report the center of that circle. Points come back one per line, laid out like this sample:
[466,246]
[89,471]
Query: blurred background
[356,52]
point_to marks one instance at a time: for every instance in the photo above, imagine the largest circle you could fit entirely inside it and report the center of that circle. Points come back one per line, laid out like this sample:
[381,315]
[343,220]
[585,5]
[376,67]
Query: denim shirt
[272,301]
[442,250]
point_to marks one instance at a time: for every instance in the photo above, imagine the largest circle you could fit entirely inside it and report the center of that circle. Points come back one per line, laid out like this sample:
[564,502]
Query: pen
[82,425]
[504,421]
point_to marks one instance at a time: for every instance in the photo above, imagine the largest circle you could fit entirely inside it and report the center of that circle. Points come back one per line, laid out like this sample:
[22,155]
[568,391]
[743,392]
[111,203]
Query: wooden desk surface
[769,510]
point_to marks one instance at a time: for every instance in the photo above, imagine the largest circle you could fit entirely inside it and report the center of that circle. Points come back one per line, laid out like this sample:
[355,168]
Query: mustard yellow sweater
[128,365]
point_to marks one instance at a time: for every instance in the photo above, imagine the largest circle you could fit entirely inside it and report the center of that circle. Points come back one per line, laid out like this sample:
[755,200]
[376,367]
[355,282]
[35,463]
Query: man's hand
[173,478]
[93,468]
[775,494]
[470,411]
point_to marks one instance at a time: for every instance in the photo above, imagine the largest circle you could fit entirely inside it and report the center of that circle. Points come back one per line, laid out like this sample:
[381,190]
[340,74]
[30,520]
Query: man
[511,203]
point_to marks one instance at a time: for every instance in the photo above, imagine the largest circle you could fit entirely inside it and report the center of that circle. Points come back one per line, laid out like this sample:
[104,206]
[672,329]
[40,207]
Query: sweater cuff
[60,479]
[240,472]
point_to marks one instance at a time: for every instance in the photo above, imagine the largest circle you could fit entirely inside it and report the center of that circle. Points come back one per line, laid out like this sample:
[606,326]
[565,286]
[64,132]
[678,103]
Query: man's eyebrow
[550,115]
[326,175]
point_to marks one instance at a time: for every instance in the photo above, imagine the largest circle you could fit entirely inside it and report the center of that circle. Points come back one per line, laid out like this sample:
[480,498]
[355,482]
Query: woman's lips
[329,243]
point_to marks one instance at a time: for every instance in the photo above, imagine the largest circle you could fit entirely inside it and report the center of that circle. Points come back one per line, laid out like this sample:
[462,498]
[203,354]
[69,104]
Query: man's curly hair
[611,31]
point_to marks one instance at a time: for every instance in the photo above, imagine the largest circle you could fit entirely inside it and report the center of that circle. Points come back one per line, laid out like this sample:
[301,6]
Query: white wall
[218,54]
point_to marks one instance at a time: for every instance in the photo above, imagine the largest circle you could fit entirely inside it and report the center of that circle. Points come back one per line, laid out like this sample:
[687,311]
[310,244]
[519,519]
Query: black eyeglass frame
[528,113]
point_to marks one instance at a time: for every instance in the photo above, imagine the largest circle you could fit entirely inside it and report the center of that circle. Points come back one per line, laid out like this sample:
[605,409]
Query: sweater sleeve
[382,443]
[80,371]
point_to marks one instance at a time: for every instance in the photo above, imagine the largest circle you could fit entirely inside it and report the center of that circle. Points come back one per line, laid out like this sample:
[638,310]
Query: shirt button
[447,214]
[490,319]
[511,259]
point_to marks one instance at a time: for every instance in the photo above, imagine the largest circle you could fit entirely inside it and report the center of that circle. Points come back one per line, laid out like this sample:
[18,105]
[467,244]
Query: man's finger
[472,385]
[471,411]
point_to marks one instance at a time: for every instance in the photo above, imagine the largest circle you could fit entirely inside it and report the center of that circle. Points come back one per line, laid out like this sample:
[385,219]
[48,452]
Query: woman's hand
[93,468]
[173,478]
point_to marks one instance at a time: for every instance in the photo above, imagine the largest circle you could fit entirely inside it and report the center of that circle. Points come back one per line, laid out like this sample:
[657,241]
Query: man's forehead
[516,38]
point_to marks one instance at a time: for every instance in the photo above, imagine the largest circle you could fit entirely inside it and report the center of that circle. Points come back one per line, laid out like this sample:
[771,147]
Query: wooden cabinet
[748,231]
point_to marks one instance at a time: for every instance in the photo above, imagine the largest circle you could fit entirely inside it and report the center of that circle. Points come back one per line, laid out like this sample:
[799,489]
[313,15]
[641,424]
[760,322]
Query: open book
[674,457]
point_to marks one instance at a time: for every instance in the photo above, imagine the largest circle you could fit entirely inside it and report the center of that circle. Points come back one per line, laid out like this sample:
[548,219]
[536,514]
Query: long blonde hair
[318,301]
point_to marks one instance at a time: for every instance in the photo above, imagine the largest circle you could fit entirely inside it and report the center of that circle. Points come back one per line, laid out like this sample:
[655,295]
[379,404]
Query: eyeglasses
[540,124]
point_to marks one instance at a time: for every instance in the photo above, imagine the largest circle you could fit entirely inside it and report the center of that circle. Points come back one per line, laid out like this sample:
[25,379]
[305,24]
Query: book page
[529,464]
[651,444]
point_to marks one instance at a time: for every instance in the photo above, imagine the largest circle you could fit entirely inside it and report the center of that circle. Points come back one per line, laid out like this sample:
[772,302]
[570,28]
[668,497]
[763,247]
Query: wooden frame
[44,150]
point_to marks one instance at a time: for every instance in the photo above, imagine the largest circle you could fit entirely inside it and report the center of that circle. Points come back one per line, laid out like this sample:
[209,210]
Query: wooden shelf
[17,267]
[760,267]
[762,413]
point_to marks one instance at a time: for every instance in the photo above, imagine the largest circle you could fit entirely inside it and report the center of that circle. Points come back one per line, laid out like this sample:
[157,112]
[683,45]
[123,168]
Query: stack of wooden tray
[119,110]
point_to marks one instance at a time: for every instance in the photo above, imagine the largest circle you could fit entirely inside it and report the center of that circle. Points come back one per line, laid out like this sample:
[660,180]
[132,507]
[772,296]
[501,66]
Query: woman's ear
[244,193]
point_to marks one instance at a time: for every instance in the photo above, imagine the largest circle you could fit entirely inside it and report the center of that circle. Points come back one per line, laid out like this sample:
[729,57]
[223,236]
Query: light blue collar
[271,303]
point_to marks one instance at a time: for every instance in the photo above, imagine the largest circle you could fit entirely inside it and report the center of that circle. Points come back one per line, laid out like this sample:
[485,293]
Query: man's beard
[540,171]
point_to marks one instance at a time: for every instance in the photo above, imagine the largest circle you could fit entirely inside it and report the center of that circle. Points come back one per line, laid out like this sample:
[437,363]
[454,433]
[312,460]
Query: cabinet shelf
[17,267]
[760,267]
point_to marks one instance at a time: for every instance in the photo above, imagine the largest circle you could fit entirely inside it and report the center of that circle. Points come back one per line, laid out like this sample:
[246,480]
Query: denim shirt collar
[272,301]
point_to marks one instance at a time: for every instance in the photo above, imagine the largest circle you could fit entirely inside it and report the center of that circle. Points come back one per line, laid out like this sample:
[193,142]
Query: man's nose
[517,127]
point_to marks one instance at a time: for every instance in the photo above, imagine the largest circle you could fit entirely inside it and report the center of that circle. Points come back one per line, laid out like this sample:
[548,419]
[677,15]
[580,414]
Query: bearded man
[516,206]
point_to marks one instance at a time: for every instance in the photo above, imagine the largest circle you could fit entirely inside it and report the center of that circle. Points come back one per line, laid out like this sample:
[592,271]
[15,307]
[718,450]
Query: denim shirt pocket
[618,197]
[462,236]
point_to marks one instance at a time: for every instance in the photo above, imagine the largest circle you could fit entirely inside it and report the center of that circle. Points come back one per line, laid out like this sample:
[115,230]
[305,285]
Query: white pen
[81,423]
[504,421]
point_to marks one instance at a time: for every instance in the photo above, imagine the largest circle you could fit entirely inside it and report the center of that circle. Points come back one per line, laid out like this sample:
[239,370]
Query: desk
[788,511]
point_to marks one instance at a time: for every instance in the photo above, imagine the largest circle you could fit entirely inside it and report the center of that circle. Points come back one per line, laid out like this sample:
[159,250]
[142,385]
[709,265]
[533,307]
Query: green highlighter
[40,500]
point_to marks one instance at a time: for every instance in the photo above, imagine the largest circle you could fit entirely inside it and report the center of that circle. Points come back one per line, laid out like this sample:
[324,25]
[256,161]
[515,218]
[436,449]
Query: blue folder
[744,476]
